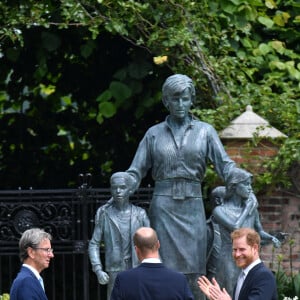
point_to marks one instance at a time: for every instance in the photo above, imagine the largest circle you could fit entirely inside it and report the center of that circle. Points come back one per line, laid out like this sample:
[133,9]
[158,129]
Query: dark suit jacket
[259,284]
[151,281]
[27,287]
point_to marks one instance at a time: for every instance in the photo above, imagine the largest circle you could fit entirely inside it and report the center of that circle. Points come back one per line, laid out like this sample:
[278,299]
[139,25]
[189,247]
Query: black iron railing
[68,214]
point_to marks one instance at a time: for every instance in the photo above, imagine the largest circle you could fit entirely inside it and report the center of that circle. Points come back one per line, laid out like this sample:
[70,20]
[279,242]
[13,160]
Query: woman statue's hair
[175,85]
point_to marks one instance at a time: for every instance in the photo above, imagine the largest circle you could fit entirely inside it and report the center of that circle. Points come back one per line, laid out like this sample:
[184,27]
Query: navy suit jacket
[27,287]
[151,281]
[259,284]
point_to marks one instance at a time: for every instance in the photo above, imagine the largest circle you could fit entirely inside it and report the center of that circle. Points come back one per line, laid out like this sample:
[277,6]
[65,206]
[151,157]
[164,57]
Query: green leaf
[99,118]
[229,8]
[41,70]
[264,48]
[278,46]
[107,109]
[119,90]
[266,21]
[270,4]
[277,64]
[85,156]
[66,100]
[281,18]
[46,90]
[62,132]
[104,97]
[246,42]
[3,96]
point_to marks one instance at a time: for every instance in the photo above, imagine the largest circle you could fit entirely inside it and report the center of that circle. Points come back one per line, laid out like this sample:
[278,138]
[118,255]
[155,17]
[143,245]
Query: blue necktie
[42,282]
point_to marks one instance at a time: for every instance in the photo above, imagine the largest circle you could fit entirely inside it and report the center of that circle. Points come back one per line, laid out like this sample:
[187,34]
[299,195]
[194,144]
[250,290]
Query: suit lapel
[248,279]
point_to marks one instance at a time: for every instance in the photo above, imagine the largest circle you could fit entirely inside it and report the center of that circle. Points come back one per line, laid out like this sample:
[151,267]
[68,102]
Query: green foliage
[238,53]
[4,297]
[288,283]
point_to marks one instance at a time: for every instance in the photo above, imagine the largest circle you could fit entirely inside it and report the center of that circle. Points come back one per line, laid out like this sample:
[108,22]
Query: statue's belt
[179,189]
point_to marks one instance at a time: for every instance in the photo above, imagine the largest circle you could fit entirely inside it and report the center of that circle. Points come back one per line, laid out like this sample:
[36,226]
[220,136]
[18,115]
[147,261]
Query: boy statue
[115,224]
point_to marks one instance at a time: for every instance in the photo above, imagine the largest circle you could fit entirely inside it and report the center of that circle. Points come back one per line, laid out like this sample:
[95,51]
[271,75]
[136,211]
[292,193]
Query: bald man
[151,280]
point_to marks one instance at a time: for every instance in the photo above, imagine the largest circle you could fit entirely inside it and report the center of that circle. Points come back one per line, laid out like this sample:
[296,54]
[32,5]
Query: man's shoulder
[162,269]
[260,267]
[145,268]
[129,273]
[25,278]
[261,271]
[25,272]
[262,280]
[174,273]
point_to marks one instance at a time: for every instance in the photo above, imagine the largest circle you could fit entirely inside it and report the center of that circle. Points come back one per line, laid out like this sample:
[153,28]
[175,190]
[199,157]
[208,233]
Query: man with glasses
[35,255]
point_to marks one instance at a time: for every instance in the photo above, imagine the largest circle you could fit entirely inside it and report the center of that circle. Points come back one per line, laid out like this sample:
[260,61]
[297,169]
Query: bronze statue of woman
[177,151]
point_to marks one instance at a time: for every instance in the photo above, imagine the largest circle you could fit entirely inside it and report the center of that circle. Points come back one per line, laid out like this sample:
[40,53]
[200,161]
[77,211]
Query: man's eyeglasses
[48,250]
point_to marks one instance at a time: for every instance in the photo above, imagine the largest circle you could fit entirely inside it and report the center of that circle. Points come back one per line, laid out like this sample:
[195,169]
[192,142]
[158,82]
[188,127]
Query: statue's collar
[189,122]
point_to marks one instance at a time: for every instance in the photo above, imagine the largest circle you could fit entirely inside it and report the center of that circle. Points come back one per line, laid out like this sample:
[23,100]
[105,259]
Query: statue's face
[180,104]
[243,189]
[120,190]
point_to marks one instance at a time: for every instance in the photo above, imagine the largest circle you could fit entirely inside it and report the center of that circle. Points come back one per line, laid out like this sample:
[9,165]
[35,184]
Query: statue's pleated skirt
[181,229]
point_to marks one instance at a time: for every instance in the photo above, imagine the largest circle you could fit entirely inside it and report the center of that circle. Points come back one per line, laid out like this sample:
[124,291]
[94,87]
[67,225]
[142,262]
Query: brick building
[250,141]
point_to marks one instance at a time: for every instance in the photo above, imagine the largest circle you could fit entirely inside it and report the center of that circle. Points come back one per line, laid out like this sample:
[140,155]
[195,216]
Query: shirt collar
[252,265]
[33,270]
[151,260]
[190,124]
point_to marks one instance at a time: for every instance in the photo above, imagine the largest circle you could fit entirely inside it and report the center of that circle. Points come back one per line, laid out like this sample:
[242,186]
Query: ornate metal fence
[68,214]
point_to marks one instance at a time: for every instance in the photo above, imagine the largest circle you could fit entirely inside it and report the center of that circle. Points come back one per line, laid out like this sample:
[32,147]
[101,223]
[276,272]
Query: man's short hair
[146,242]
[252,237]
[31,238]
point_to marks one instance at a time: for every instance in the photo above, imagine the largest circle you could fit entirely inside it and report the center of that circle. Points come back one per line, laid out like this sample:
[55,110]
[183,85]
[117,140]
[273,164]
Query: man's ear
[158,244]
[30,252]
[138,252]
[256,248]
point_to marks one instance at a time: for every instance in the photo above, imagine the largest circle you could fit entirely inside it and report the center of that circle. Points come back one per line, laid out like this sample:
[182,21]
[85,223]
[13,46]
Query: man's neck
[152,260]
[33,269]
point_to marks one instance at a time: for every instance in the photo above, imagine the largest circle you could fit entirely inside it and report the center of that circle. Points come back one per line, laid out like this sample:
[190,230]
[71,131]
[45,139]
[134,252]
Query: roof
[248,125]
